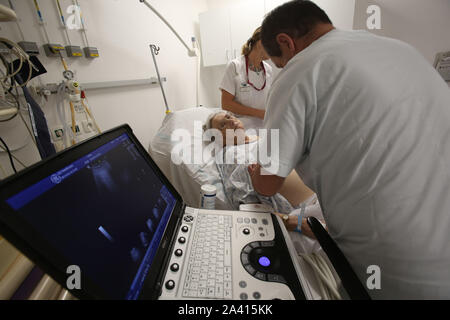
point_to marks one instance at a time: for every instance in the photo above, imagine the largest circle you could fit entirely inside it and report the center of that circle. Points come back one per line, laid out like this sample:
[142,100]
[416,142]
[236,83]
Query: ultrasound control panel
[231,255]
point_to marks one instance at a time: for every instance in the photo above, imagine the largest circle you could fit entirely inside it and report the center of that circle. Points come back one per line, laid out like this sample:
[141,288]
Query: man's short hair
[295,18]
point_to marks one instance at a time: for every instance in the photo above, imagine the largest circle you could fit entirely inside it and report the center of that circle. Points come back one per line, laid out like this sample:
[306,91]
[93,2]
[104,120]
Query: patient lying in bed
[235,178]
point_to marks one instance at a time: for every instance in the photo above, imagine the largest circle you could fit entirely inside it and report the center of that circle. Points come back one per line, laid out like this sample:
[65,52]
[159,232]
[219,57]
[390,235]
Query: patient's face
[224,122]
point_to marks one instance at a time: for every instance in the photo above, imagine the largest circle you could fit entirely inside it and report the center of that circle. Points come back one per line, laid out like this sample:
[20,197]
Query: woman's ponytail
[247,48]
[249,45]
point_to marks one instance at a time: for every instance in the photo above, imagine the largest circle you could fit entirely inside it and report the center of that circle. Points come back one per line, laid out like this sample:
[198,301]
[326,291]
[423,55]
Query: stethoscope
[248,78]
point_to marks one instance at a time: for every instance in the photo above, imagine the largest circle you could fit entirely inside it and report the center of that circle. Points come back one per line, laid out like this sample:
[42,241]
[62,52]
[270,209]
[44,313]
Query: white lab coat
[235,83]
[365,120]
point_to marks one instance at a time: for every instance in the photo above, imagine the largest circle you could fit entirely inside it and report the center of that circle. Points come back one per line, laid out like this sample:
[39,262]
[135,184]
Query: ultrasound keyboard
[209,271]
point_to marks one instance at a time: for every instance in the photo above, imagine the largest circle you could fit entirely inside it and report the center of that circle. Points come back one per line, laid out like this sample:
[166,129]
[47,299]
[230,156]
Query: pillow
[186,178]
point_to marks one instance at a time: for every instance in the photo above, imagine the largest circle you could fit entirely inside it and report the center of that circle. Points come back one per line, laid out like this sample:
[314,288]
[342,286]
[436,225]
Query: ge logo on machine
[56,179]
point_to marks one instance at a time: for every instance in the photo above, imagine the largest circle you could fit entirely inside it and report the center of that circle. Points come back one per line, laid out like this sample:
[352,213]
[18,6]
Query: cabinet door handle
[227,54]
[235,54]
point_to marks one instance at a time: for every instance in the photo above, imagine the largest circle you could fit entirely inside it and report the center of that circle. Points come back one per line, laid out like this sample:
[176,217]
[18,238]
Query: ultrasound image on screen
[106,213]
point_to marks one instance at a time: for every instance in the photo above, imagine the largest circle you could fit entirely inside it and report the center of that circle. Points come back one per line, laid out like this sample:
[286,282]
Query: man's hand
[291,225]
[266,185]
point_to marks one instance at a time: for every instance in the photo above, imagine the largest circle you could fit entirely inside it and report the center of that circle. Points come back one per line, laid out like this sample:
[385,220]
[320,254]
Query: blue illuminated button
[264,261]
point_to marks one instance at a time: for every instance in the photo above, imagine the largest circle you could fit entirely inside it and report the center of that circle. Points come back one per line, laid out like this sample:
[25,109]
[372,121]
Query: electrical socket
[77,129]
[57,134]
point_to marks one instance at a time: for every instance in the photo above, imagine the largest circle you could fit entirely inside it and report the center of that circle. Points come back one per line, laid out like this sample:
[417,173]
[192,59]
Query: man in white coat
[365,121]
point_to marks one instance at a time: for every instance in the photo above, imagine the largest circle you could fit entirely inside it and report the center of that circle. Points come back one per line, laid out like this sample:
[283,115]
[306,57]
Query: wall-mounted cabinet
[224,31]
[215,37]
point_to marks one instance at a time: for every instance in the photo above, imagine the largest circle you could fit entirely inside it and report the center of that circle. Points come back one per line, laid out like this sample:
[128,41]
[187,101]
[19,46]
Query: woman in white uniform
[246,82]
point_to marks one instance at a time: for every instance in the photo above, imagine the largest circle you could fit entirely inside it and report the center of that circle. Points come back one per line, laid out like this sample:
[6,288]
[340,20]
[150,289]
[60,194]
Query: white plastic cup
[208,197]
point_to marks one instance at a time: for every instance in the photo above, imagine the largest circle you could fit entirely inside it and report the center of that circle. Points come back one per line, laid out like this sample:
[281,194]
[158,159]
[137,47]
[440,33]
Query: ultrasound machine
[105,207]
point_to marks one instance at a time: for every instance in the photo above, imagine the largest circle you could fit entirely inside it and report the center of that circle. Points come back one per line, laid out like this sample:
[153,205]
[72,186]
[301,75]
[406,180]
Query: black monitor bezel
[20,234]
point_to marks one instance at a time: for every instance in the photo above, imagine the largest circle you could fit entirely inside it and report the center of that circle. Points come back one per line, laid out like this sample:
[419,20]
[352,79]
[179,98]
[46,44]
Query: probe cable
[14,157]
[23,57]
[9,155]
[327,282]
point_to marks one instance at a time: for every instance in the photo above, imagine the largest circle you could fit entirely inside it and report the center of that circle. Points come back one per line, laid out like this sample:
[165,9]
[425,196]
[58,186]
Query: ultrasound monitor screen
[106,212]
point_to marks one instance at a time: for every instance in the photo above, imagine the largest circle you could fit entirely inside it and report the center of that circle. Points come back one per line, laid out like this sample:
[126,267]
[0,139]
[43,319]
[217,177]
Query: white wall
[122,30]
[340,12]
[423,24]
